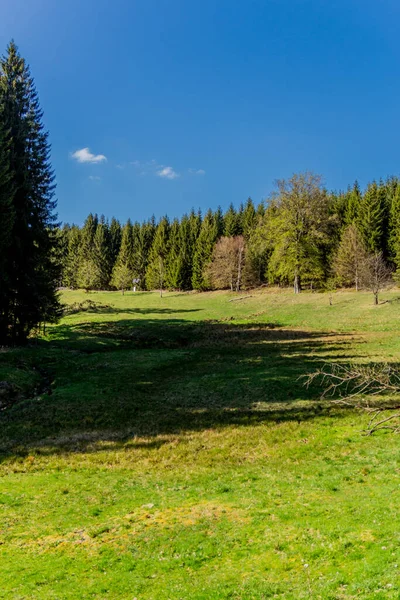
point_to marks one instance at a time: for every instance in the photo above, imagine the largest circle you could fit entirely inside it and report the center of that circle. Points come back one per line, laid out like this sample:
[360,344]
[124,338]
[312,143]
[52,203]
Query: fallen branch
[361,386]
[241,298]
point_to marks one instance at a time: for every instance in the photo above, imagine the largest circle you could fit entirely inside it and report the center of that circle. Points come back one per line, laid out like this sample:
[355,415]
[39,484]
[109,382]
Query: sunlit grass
[166,448]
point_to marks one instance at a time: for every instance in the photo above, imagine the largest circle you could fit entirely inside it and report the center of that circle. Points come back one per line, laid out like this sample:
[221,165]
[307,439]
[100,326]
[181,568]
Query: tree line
[172,254]
[302,235]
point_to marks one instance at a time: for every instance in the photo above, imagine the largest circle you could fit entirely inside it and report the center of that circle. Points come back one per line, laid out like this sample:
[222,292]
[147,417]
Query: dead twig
[367,387]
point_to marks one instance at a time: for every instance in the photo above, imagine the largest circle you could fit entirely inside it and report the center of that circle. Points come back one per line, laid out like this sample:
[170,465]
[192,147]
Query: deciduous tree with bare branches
[376,275]
[226,267]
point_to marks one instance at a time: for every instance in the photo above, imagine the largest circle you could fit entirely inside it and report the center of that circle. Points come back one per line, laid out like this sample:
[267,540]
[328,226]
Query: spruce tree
[62,235]
[386,191]
[231,222]
[203,252]
[249,218]
[174,259]
[187,239]
[240,214]
[219,221]
[195,220]
[115,241]
[102,254]
[32,270]
[394,231]
[7,220]
[72,262]
[87,236]
[88,275]
[260,209]
[156,270]
[189,232]
[142,240]
[122,274]
[352,204]
[260,244]
[371,218]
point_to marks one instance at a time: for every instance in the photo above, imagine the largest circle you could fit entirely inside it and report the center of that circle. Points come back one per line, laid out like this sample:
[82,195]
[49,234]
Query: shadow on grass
[115,380]
[105,309]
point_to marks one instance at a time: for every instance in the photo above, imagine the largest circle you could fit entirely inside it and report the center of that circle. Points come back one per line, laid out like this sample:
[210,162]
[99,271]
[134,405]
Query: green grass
[166,449]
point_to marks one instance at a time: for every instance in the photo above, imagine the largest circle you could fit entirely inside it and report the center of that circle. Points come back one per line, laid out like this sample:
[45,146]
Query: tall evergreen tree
[203,252]
[7,221]
[29,294]
[72,261]
[240,214]
[115,240]
[87,236]
[122,274]
[188,234]
[156,270]
[143,238]
[102,254]
[352,204]
[394,231]
[386,192]
[88,274]
[219,221]
[371,218]
[62,249]
[175,257]
[231,222]
[249,218]
[260,209]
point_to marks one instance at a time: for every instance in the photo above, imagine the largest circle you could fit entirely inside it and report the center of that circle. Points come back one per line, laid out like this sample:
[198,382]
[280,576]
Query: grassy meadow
[166,448]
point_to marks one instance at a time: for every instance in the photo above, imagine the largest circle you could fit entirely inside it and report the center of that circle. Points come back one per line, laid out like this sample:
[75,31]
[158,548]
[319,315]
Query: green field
[165,448]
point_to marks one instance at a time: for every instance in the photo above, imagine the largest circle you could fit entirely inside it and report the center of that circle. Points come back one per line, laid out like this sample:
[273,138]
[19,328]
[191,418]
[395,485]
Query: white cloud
[168,173]
[154,168]
[85,156]
[94,178]
[197,171]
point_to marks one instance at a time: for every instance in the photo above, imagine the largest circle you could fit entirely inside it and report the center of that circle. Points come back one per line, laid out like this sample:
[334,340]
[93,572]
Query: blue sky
[155,106]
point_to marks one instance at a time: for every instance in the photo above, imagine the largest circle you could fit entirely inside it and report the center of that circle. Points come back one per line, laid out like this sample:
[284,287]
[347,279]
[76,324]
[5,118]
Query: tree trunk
[376,298]
[297,285]
[239,274]
[161,267]
[123,291]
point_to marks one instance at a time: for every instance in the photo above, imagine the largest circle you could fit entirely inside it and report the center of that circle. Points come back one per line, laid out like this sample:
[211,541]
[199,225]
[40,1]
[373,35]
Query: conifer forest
[303,236]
